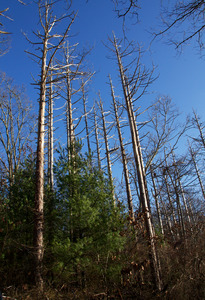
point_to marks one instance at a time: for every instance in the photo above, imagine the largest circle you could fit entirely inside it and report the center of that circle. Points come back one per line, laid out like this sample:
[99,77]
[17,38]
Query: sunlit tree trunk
[50,136]
[123,155]
[97,138]
[45,59]
[69,115]
[86,121]
[39,192]
[140,172]
[105,135]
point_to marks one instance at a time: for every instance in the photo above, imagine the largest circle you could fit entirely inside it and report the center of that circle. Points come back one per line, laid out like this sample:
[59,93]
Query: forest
[99,198]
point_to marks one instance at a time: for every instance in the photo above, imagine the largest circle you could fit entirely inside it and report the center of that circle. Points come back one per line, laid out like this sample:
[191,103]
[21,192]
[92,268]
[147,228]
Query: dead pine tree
[50,135]
[123,156]
[97,137]
[48,45]
[73,79]
[86,120]
[107,150]
[69,112]
[130,88]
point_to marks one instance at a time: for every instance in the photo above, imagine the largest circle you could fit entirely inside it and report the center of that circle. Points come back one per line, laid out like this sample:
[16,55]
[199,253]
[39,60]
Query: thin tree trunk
[50,137]
[140,174]
[181,190]
[197,172]
[97,139]
[86,121]
[179,209]
[39,193]
[157,202]
[69,116]
[200,129]
[124,158]
[109,169]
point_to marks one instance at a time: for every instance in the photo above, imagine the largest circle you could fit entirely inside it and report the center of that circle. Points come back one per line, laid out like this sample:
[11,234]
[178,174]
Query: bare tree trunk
[50,137]
[196,119]
[181,190]
[86,121]
[157,202]
[124,158]
[16,123]
[109,169]
[197,172]
[179,209]
[97,139]
[47,21]
[69,117]
[140,173]
[170,200]
[39,193]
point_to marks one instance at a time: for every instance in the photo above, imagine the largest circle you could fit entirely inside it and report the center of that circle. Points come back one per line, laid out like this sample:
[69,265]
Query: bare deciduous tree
[184,20]
[131,85]
[123,155]
[48,44]
[17,123]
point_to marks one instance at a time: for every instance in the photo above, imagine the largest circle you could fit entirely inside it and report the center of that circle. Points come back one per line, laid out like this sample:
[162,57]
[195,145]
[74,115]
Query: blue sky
[180,76]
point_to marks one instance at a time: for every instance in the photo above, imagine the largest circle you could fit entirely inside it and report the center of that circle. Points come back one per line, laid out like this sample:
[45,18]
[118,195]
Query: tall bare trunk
[157,202]
[123,155]
[50,136]
[86,121]
[109,169]
[197,172]
[39,192]
[140,172]
[97,139]
[69,115]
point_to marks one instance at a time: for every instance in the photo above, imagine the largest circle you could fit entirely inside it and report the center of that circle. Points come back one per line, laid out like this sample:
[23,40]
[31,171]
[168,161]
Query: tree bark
[157,202]
[123,155]
[140,173]
[107,151]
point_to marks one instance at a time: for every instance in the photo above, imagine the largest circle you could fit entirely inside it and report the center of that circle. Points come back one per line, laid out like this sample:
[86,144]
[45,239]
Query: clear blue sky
[180,76]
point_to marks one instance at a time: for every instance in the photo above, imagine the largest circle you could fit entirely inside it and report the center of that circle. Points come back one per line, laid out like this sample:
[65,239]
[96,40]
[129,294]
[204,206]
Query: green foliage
[16,234]
[88,225]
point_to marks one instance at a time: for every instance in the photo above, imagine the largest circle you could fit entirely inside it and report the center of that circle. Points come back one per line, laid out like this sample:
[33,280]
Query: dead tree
[72,79]
[130,87]
[17,124]
[187,15]
[157,202]
[123,156]
[48,44]
[97,138]
[107,150]
[197,171]
[50,135]
[174,182]
[181,190]
[86,120]
[199,126]
[171,207]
